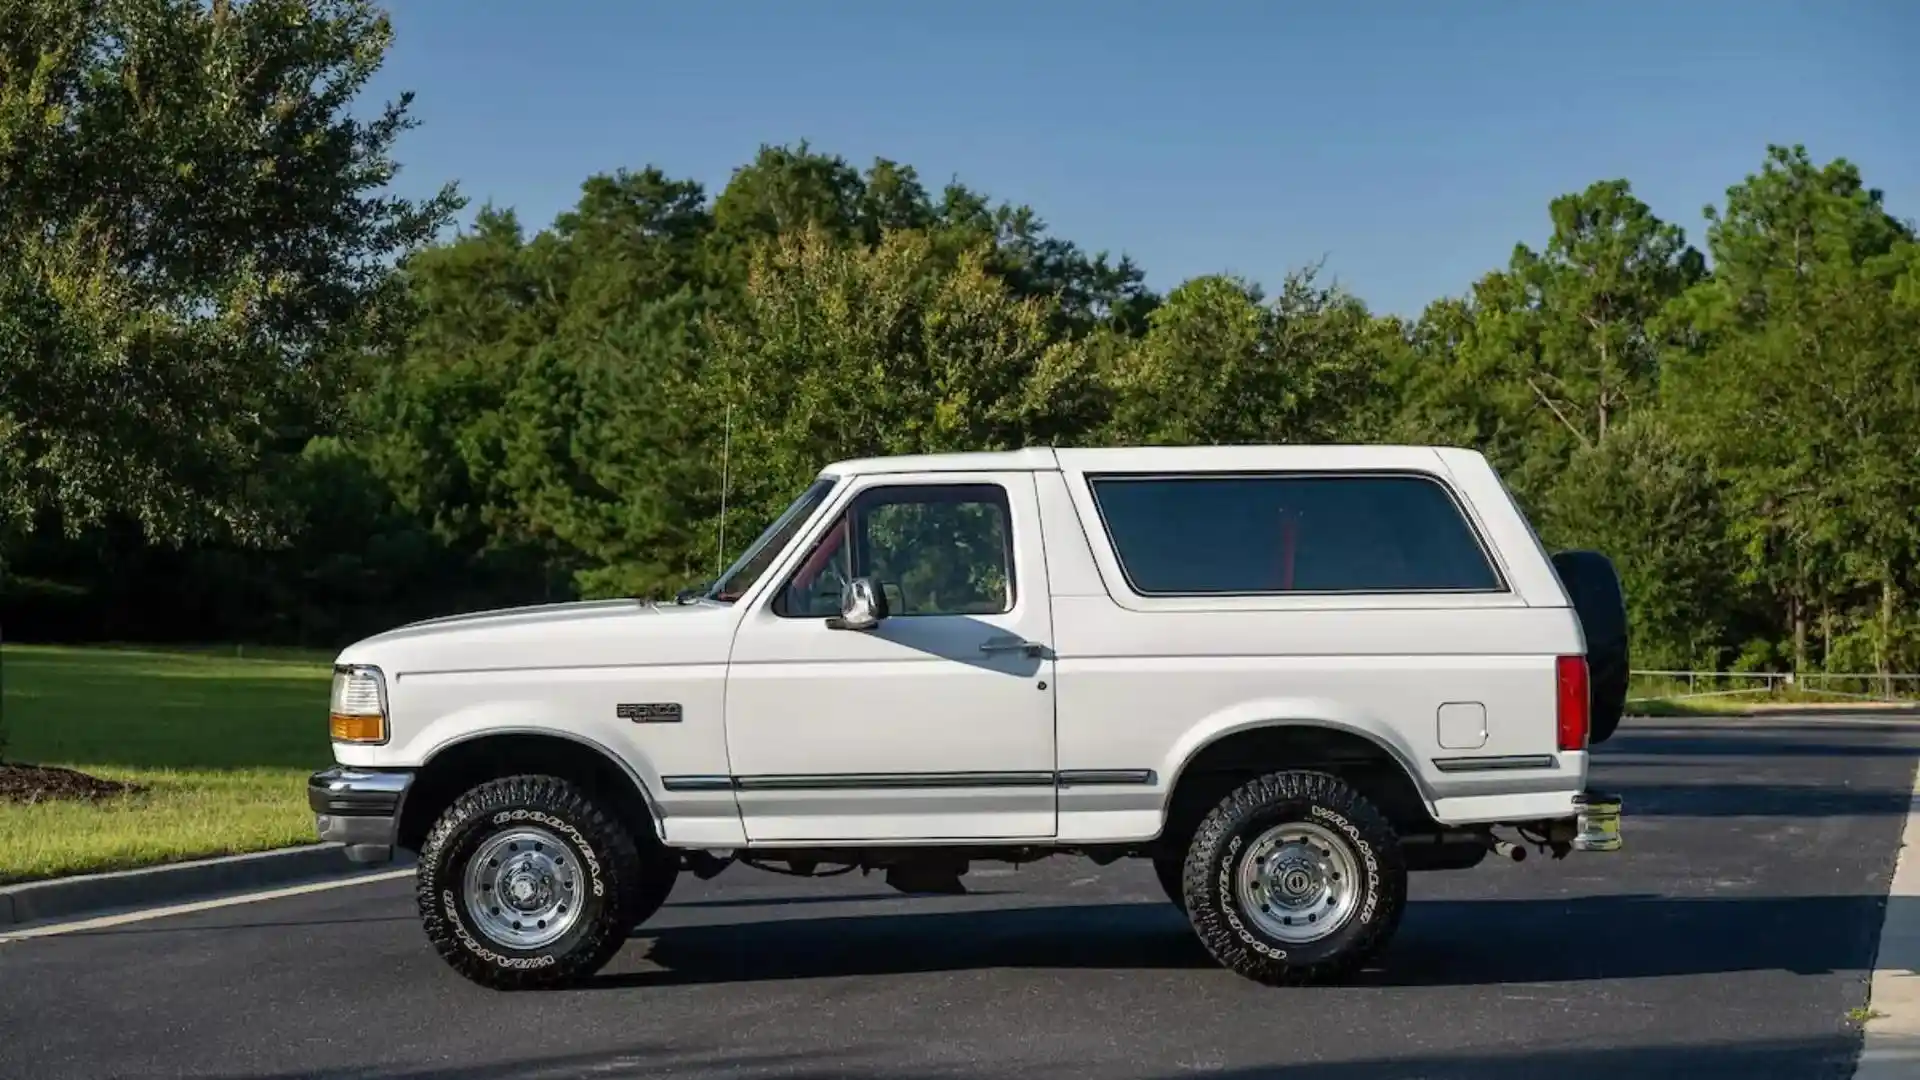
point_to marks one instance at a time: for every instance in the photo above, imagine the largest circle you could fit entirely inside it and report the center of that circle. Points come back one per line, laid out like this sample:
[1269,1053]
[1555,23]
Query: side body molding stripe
[1495,764]
[898,781]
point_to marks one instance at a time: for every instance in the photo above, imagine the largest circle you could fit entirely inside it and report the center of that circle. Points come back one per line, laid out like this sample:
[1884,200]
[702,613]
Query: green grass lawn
[223,745]
[1702,706]
[1657,700]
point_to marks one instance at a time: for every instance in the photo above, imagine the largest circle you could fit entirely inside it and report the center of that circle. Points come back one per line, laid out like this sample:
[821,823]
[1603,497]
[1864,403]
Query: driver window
[934,550]
[814,590]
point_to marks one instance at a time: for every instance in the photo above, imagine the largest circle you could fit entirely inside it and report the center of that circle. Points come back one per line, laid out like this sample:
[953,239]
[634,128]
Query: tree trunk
[3,713]
[1826,638]
[1884,647]
[1798,609]
[3,585]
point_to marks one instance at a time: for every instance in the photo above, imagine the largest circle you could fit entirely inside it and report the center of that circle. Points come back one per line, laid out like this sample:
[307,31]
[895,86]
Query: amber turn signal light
[348,728]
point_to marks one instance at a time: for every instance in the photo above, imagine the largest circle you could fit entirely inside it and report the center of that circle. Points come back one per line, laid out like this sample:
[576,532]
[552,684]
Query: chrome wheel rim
[522,888]
[1298,882]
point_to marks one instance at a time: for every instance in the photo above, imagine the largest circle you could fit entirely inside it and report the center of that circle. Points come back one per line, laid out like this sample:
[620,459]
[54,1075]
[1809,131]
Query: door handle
[1010,644]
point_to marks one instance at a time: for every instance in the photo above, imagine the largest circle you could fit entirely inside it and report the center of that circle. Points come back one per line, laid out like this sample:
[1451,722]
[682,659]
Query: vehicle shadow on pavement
[1441,942]
[790,901]
[1804,1057]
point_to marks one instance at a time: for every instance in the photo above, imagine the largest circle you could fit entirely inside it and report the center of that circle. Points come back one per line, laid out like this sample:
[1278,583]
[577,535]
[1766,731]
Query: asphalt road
[1731,938]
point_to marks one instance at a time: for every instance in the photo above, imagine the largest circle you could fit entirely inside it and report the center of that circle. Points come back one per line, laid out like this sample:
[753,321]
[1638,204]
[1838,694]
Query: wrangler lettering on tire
[1294,878]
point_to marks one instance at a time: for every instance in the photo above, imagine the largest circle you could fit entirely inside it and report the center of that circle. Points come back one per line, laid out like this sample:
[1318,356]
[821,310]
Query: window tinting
[934,550]
[1279,534]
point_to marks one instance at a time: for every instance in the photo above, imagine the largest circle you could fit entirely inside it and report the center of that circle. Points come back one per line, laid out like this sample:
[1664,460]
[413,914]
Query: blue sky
[1409,144]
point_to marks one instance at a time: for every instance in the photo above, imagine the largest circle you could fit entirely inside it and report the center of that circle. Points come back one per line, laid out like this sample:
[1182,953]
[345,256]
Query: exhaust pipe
[1505,849]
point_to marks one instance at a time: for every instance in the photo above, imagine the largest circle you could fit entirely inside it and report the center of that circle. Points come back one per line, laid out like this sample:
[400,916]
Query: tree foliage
[209,309]
[1219,365]
[194,244]
[844,351]
[1803,373]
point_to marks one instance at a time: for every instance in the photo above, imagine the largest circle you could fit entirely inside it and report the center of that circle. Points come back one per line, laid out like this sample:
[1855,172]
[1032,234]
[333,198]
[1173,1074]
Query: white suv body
[1005,655]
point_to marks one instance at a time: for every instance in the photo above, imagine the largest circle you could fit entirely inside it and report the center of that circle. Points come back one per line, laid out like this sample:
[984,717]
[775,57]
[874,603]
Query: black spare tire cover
[1594,587]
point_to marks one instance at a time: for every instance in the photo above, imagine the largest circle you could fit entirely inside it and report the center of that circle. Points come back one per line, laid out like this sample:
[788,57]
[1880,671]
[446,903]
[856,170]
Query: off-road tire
[601,847]
[1250,810]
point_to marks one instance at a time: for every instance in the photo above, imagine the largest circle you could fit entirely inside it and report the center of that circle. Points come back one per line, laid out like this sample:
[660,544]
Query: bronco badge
[660,712]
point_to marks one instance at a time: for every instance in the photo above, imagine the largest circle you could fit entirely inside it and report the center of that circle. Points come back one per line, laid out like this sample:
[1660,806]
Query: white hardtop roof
[1156,458]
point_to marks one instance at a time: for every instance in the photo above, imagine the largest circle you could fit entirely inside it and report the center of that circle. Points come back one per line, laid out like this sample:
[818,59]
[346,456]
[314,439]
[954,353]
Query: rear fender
[1291,712]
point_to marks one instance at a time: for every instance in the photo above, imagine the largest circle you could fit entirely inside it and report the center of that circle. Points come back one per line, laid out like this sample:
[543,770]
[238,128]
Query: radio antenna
[726,446]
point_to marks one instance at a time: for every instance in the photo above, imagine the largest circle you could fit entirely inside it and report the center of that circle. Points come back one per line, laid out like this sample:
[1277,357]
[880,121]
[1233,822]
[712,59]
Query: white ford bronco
[1285,675]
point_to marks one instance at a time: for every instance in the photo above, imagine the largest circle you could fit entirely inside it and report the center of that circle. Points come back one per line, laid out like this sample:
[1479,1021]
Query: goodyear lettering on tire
[580,842]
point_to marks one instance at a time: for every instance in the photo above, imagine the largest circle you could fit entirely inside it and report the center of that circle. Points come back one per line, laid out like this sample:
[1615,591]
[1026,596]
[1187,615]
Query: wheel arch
[459,764]
[1254,740]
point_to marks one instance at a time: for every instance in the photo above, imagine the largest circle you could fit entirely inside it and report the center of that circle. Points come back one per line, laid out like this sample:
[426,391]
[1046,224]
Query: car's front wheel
[528,882]
[1294,877]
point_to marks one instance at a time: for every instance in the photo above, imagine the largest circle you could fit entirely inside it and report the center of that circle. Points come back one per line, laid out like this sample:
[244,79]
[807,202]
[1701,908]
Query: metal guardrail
[1843,686]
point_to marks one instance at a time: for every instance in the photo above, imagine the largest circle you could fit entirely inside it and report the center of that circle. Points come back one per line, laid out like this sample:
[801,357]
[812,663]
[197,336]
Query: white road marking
[103,921]
[1892,1047]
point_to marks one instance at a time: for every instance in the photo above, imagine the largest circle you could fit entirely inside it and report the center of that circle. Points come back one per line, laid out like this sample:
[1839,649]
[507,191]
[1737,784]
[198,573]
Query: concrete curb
[1890,1045]
[88,894]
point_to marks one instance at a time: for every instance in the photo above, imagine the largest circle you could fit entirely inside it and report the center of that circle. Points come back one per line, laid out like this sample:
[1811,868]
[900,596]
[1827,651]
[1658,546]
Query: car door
[937,723]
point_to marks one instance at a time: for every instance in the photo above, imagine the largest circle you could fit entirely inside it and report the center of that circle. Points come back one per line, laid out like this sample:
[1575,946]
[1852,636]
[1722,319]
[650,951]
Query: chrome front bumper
[359,809]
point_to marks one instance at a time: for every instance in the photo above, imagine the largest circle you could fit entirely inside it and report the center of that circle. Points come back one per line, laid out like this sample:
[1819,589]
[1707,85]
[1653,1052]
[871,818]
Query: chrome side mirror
[862,605]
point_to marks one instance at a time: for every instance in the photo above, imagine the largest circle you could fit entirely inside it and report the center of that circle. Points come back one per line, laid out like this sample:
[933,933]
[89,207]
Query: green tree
[1800,369]
[1220,365]
[1551,353]
[1444,387]
[194,246]
[1581,331]
[542,410]
[432,417]
[842,350]
[1651,502]
[787,190]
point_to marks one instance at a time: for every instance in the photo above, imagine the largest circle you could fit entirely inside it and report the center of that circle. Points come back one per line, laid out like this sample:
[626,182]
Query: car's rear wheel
[1294,878]
[526,881]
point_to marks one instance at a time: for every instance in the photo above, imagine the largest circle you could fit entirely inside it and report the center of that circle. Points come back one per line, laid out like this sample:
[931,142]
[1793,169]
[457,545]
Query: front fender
[522,716]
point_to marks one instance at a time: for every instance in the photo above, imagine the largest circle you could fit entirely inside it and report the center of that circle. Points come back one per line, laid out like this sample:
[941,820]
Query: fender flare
[1256,716]
[647,798]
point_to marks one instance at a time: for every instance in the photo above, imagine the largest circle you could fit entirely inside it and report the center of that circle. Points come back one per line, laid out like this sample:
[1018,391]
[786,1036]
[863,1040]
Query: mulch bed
[31,784]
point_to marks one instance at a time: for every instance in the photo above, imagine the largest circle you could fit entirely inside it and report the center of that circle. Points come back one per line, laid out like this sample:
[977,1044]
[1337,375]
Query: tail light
[1573,705]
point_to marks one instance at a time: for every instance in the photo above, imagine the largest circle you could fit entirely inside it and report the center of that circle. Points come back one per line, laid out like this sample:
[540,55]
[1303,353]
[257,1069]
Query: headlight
[358,712]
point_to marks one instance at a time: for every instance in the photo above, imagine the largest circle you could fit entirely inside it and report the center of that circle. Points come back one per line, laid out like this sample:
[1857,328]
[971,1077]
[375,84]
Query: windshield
[760,554]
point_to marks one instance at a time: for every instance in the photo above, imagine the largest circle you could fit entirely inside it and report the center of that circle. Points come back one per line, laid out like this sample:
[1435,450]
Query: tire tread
[619,858]
[1301,787]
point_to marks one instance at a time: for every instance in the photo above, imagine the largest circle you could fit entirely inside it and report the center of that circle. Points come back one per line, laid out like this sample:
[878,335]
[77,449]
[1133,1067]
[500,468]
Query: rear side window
[1216,535]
